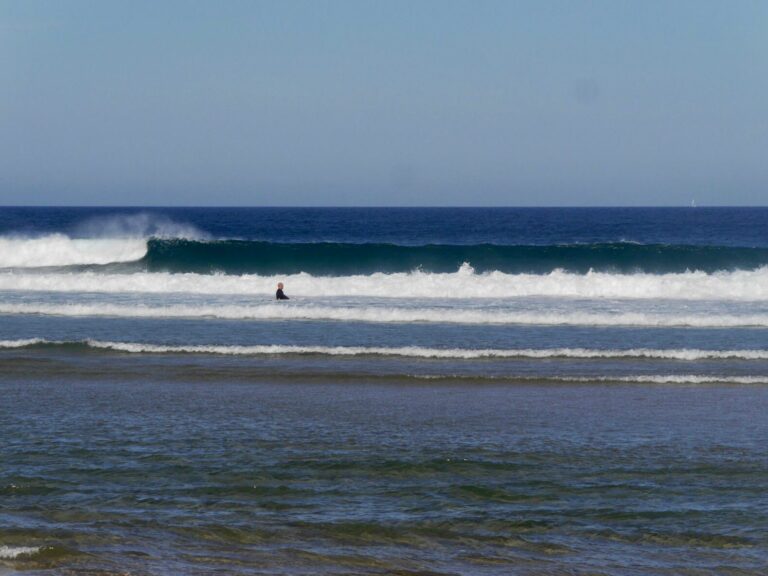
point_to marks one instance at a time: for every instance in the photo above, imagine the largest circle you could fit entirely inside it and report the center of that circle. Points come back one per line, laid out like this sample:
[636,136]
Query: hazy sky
[383,102]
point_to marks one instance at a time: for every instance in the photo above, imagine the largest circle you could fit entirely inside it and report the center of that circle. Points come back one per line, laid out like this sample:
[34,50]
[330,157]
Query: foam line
[465,283]
[672,379]
[389,315]
[386,315]
[633,379]
[25,343]
[11,552]
[404,351]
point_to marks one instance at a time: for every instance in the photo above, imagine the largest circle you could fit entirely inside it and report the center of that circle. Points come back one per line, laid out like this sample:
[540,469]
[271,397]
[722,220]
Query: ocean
[448,391]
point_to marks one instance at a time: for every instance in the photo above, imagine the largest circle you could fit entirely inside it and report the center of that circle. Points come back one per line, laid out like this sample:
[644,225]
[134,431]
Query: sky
[384,103]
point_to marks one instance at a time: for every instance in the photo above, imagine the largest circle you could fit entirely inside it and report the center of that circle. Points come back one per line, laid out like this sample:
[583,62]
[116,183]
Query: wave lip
[684,354]
[338,258]
[61,250]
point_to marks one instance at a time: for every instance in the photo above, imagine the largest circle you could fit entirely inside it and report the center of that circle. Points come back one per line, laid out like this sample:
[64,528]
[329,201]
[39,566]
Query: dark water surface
[118,476]
[703,226]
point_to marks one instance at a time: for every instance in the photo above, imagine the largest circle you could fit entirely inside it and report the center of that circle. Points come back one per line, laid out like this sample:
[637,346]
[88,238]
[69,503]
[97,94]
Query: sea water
[450,391]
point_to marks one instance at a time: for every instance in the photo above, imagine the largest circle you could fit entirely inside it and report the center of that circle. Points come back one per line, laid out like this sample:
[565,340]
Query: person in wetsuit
[279,295]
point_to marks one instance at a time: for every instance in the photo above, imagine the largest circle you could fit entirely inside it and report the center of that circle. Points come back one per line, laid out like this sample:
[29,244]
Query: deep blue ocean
[447,391]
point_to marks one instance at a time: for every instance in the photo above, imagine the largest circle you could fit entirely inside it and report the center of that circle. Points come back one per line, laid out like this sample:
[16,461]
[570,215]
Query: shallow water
[150,476]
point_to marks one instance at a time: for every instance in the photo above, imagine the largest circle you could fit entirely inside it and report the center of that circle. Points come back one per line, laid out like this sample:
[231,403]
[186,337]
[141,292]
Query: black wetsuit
[280,296]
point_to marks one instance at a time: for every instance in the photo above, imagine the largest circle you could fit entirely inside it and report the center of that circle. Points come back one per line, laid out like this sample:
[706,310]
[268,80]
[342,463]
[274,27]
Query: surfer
[279,294]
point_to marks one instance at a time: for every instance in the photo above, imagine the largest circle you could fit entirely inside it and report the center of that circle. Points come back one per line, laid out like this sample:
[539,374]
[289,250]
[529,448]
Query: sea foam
[11,552]
[683,354]
[378,314]
[61,250]
[465,283]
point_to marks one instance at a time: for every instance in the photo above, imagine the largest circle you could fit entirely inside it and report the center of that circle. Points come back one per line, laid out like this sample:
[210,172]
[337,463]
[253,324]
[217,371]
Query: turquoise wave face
[331,259]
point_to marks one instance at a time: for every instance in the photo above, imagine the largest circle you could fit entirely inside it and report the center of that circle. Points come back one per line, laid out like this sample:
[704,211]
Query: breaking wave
[464,283]
[98,241]
[61,250]
[333,259]
[170,247]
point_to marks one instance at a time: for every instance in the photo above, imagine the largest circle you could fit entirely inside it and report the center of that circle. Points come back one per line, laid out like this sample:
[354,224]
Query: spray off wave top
[97,241]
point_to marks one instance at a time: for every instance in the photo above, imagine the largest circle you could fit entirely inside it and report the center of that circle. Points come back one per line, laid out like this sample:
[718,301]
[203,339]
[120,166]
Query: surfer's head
[279,285]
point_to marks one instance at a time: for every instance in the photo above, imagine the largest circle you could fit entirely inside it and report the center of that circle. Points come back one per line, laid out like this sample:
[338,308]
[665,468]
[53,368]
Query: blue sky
[390,102]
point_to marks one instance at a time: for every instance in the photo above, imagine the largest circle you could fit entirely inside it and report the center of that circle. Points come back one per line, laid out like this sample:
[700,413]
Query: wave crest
[337,258]
[98,241]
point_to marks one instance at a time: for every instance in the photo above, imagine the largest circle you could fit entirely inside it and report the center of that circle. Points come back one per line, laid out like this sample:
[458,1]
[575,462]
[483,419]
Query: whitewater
[60,263]
[411,290]
[388,314]
[60,250]
[739,285]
